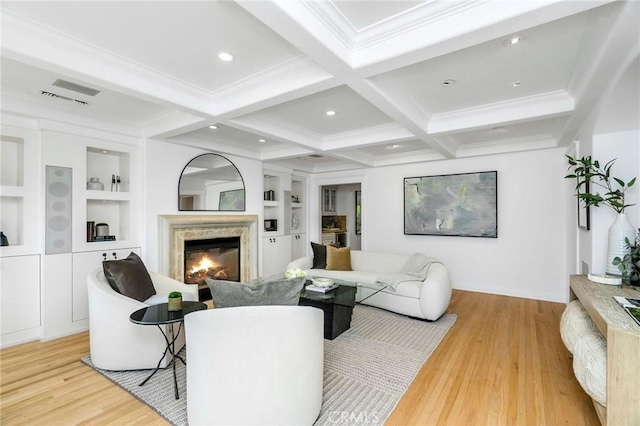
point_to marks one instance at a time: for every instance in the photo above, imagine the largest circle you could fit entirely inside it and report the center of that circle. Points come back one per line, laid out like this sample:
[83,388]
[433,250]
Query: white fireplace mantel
[174,230]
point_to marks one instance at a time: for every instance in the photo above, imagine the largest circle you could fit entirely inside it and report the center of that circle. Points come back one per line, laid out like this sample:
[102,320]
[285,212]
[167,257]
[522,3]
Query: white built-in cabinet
[287,193]
[64,275]
[20,221]
[274,258]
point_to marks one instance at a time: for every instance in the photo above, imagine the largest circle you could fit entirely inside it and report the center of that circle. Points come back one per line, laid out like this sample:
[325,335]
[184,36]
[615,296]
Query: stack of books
[321,289]
[630,305]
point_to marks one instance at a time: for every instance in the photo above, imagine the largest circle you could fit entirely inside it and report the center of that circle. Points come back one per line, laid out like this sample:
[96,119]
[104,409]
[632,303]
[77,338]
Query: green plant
[629,265]
[175,295]
[587,171]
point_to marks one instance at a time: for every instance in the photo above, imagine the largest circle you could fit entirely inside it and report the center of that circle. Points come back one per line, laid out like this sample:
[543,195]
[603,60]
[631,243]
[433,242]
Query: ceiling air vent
[53,95]
[76,87]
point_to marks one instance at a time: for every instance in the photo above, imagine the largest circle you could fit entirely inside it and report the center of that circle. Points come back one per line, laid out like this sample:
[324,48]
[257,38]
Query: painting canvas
[232,200]
[463,205]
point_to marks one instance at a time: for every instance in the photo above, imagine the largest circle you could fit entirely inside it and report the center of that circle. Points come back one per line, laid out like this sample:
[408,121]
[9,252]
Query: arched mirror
[211,182]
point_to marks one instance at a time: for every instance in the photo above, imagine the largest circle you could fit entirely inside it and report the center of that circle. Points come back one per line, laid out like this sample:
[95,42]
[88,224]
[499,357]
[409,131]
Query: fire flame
[205,264]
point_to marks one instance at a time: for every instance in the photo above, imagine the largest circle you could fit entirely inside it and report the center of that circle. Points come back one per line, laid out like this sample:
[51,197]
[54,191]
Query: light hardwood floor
[502,363]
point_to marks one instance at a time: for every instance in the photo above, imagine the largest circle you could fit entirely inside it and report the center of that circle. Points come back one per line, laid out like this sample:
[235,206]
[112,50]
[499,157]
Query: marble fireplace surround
[174,230]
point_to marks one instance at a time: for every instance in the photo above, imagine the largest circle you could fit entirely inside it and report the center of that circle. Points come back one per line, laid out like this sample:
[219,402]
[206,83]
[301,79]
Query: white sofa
[115,342]
[427,299]
[255,365]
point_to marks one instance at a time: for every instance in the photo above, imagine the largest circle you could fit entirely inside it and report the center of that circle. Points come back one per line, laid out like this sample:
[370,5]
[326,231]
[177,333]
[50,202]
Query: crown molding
[522,109]
[21,105]
[165,124]
[388,133]
[410,157]
[507,145]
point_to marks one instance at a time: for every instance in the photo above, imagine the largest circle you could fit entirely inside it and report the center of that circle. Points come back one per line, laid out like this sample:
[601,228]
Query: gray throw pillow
[129,277]
[274,290]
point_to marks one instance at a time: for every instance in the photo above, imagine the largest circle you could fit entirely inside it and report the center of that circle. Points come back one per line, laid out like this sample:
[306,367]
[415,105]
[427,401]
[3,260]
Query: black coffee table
[159,315]
[337,305]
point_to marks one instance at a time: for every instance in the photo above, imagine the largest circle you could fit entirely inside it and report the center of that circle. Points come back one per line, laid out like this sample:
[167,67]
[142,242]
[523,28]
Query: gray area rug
[367,369]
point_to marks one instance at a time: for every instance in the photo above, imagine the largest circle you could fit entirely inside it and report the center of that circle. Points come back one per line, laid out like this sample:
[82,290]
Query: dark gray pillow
[319,256]
[274,290]
[129,277]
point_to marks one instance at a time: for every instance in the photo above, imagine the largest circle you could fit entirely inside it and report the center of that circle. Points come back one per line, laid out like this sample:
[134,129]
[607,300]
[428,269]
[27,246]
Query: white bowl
[322,282]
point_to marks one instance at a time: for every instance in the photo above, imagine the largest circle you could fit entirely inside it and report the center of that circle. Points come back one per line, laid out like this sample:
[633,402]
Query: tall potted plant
[590,176]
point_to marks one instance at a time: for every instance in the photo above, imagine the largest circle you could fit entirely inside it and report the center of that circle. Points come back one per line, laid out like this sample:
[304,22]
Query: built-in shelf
[107,165]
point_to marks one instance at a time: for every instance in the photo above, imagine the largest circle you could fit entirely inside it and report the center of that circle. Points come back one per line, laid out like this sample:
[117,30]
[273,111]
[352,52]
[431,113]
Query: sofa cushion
[319,256]
[338,259]
[274,290]
[129,277]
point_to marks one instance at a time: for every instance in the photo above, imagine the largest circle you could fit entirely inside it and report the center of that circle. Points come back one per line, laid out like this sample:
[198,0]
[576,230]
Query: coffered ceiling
[407,80]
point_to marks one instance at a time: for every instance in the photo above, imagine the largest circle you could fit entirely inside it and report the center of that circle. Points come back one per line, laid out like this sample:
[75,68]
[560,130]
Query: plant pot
[620,230]
[175,304]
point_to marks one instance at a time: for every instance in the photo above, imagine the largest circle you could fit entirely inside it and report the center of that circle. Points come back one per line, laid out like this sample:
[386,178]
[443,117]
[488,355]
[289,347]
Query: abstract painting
[463,205]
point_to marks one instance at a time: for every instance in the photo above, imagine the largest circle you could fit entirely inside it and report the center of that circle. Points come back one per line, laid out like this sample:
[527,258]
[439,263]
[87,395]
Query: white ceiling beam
[298,77]
[386,133]
[276,130]
[304,29]
[410,118]
[171,123]
[488,20]
[284,152]
[517,110]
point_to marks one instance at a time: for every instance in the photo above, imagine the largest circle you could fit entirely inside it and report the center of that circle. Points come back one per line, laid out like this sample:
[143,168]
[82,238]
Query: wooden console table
[623,348]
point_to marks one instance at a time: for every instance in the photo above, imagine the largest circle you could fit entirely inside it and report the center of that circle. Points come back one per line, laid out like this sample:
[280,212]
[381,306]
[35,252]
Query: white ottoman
[590,366]
[575,323]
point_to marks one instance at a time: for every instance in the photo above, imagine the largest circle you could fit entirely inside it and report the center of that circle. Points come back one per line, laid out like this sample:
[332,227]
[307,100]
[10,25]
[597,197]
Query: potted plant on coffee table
[175,301]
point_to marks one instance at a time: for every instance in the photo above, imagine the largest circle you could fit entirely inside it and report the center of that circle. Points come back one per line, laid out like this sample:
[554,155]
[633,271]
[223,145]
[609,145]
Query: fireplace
[177,232]
[216,258]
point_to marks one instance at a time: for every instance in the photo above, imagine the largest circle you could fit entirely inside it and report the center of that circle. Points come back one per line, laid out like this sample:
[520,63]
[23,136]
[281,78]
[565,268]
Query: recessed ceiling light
[513,40]
[213,127]
[330,113]
[515,84]
[393,146]
[262,140]
[226,56]
[497,129]
[104,151]
[448,82]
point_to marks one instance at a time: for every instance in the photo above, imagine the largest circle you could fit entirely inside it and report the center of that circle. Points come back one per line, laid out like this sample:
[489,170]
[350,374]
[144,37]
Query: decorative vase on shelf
[618,232]
[94,184]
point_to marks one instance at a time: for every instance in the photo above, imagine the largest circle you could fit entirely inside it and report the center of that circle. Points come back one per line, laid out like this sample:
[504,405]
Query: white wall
[528,259]
[624,147]
[163,164]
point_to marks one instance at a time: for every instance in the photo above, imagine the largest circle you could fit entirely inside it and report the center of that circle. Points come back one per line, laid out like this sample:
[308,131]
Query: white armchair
[115,342]
[255,365]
